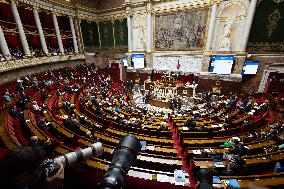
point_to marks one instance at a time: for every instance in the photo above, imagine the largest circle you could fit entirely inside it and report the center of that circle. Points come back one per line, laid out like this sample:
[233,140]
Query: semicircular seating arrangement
[76,107]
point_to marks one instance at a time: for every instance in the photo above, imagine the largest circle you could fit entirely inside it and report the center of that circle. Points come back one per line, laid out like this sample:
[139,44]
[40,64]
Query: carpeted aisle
[185,165]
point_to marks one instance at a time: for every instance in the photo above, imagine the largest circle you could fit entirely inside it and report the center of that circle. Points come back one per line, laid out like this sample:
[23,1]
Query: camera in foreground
[53,165]
[124,156]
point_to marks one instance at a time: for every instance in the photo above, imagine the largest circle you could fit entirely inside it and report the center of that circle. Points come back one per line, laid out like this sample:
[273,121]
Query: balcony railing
[15,64]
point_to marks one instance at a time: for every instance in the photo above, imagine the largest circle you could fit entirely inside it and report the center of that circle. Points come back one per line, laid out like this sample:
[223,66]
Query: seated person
[15,112]
[7,97]
[43,95]
[36,142]
[202,128]
[43,124]
[229,143]
[22,100]
[163,127]
[240,150]
[89,135]
[204,177]
[190,125]
[235,166]
[35,107]
[58,92]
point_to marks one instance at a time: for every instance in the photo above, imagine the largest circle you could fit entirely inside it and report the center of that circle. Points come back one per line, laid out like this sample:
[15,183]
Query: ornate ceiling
[88,3]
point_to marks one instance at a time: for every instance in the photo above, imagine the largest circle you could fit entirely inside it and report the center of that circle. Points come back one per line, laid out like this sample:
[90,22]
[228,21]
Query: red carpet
[185,166]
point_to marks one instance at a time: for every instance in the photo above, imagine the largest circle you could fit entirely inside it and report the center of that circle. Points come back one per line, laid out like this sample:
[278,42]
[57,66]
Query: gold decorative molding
[228,4]
[273,19]
[111,18]
[278,1]
[265,47]
[183,6]
[15,64]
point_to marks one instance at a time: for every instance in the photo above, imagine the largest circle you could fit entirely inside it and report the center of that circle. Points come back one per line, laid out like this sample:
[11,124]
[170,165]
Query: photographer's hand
[55,181]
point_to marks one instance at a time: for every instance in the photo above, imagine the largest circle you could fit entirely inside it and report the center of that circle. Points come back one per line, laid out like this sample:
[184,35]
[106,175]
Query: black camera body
[51,165]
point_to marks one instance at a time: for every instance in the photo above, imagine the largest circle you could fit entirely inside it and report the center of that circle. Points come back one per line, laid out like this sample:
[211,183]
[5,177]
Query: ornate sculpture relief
[226,42]
[230,23]
[139,31]
[273,19]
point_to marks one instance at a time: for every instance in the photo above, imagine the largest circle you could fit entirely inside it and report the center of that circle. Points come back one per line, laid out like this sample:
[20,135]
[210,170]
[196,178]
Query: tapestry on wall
[90,35]
[121,34]
[181,31]
[268,26]
[106,34]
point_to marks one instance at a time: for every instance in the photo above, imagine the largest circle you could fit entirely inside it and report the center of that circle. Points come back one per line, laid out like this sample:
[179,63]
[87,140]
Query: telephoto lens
[53,165]
[124,156]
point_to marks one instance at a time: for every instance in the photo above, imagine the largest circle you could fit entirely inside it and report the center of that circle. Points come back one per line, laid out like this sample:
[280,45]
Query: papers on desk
[219,164]
[196,151]
[185,128]
[208,150]
[150,148]
[195,112]
[162,178]
[179,176]
[146,126]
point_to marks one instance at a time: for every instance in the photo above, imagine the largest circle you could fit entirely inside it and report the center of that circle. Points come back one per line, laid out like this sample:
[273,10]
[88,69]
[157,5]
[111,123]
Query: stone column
[240,59]
[205,62]
[79,34]
[40,31]
[58,35]
[75,44]
[149,28]
[149,60]
[248,24]
[129,60]
[129,26]
[3,44]
[213,16]
[22,34]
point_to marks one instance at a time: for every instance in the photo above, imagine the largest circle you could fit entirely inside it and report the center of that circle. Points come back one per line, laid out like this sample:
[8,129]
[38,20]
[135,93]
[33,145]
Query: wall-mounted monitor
[138,60]
[125,61]
[221,64]
[250,67]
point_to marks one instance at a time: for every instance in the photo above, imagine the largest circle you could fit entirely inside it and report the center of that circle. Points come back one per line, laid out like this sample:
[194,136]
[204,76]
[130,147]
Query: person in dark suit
[202,128]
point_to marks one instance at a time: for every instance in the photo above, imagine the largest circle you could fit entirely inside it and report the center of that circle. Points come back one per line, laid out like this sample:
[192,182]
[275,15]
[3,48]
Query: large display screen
[222,64]
[138,60]
[250,67]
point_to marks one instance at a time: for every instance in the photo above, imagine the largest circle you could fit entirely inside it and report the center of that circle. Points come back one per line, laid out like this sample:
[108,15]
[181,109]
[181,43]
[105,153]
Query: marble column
[3,44]
[79,34]
[129,26]
[22,34]
[149,29]
[213,16]
[40,31]
[58,35]
[75,44]
[248,24]
[129,61]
